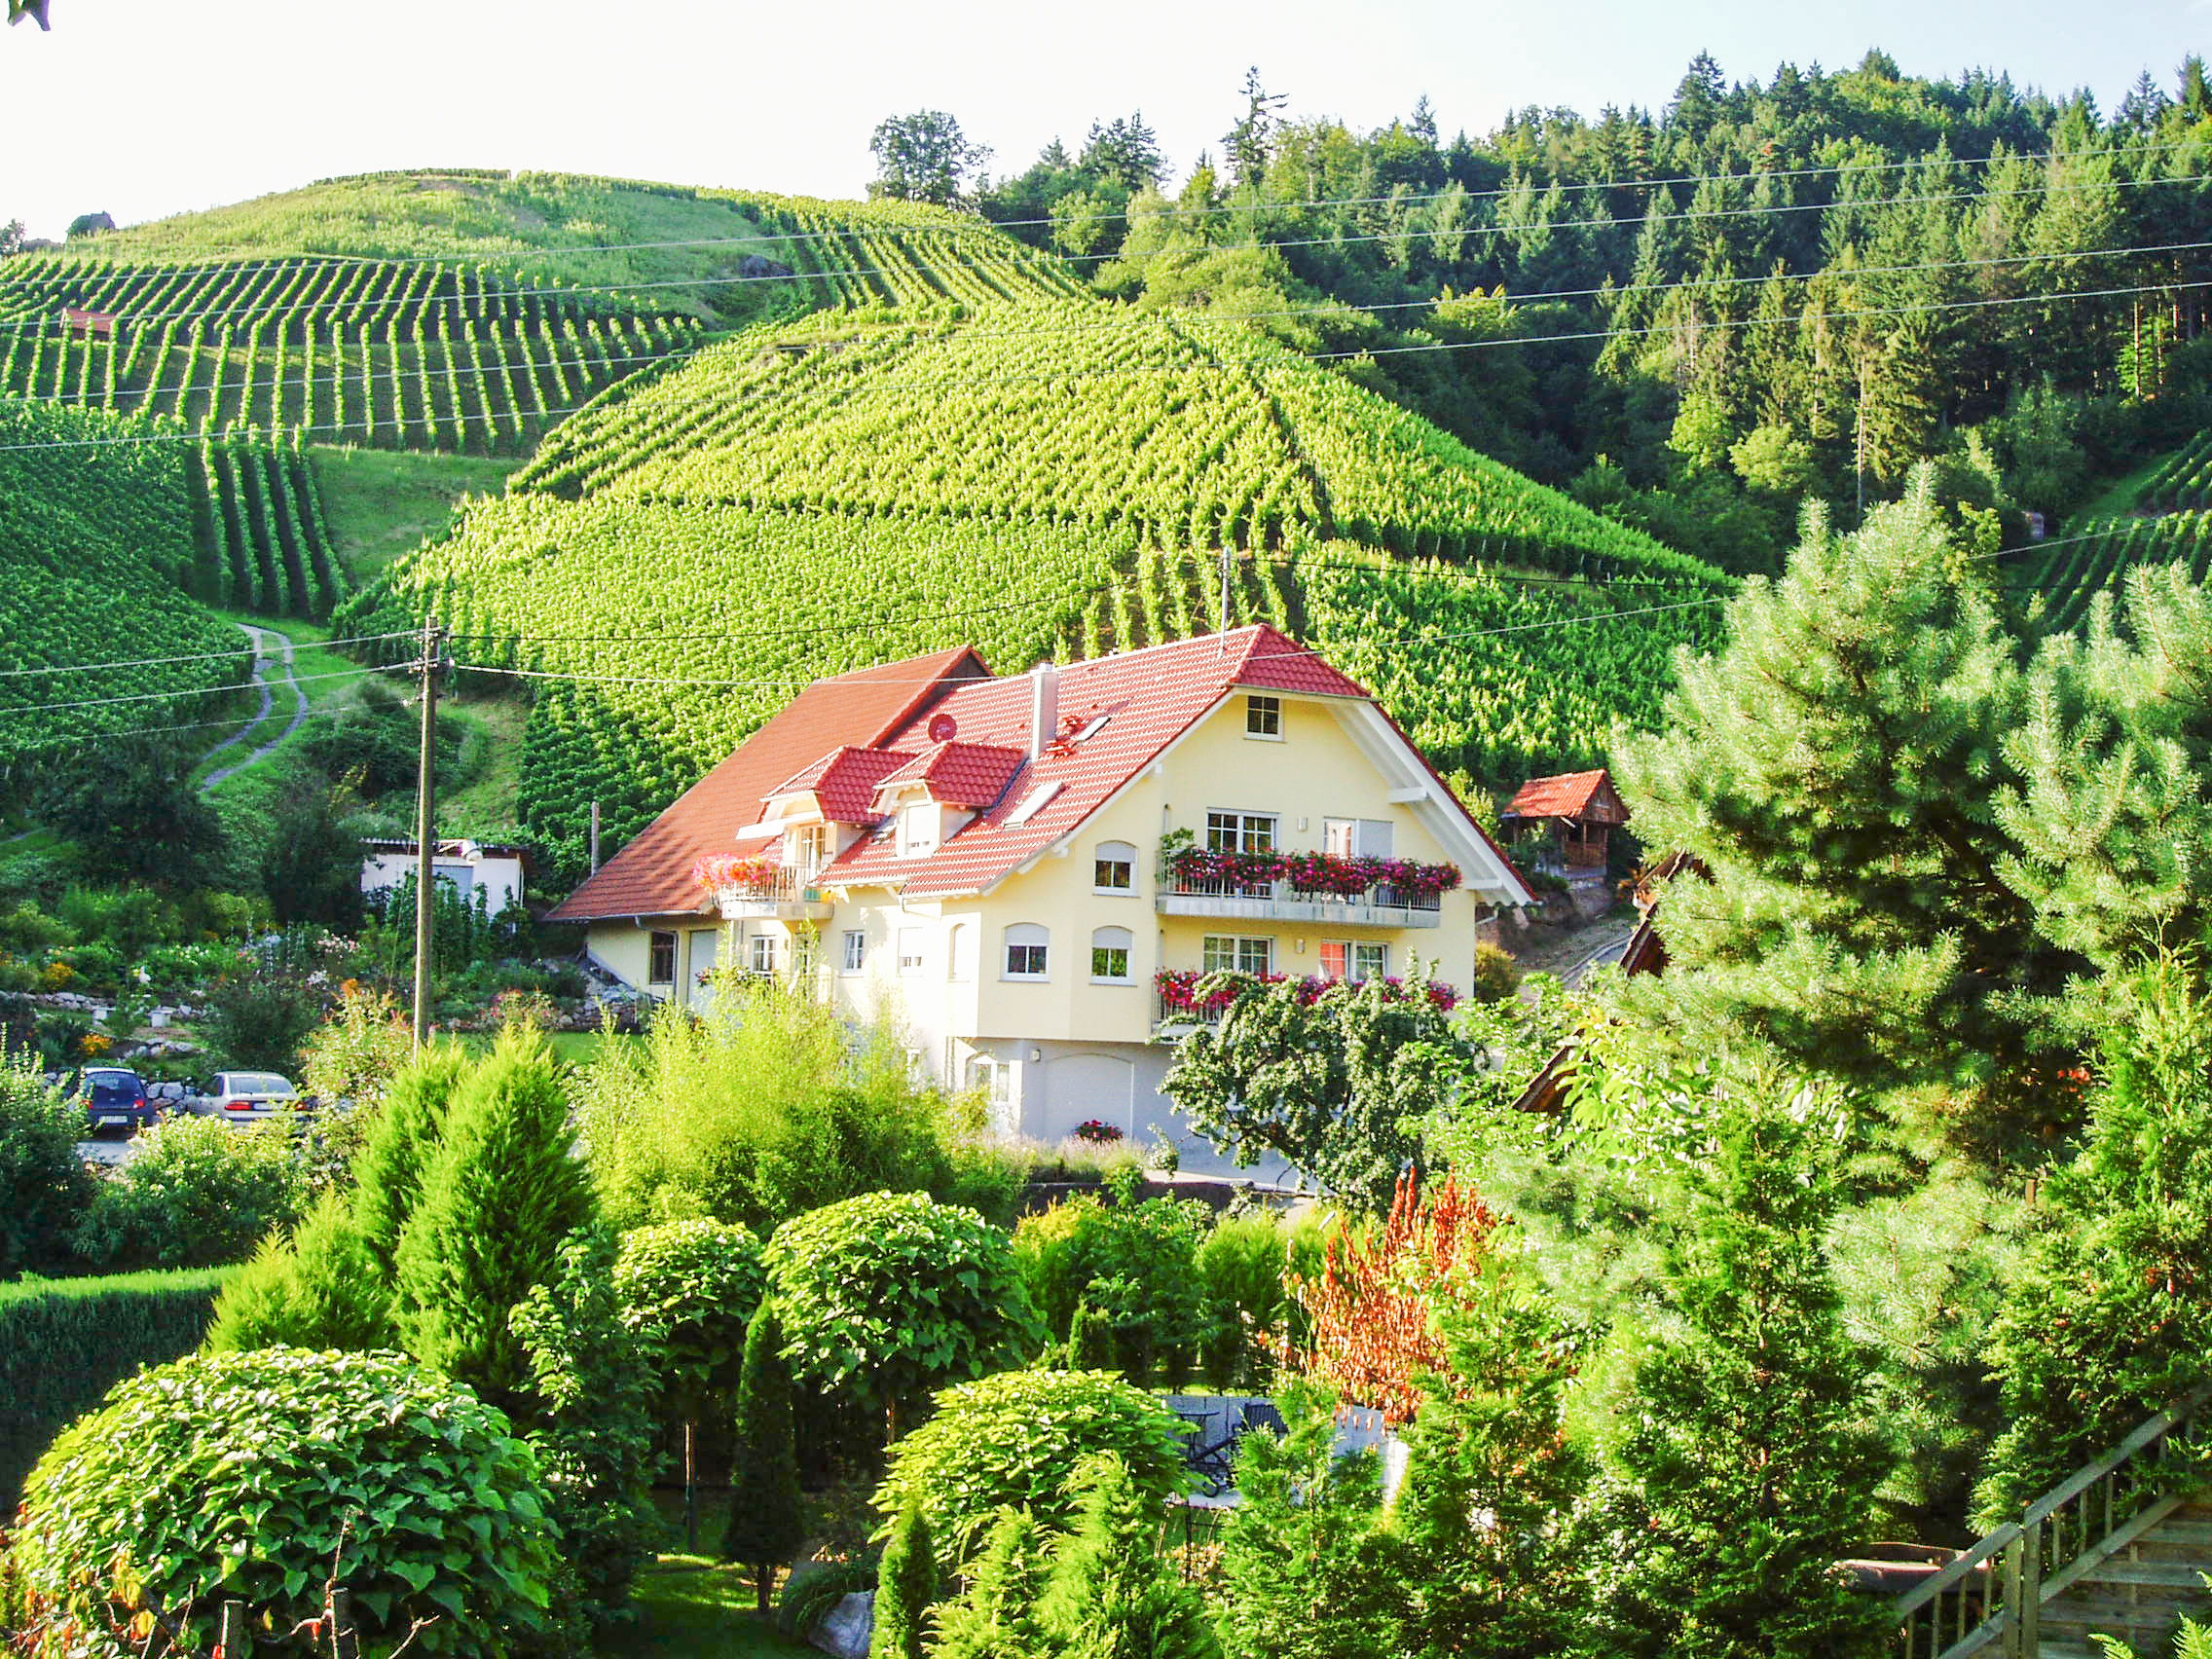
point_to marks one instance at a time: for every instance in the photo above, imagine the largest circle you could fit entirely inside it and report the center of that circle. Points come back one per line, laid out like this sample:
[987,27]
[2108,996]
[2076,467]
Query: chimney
[1044,708]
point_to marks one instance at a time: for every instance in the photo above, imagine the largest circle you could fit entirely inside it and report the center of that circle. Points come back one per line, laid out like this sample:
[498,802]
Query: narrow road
[1611,950]
[261,662]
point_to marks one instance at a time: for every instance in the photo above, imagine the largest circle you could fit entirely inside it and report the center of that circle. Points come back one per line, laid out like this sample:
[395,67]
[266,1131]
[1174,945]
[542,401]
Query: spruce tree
[401,1146]
[767,1522]
[906,1584]
[997,1619]
[1751,1463]
[314,1288]
[502,1194]
[1111,1596]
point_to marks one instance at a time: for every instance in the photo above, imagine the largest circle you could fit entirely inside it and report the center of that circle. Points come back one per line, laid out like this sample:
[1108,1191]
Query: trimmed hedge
[66,1343]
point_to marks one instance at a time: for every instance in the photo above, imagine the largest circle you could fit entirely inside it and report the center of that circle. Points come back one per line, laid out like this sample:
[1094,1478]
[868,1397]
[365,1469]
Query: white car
[246,1097]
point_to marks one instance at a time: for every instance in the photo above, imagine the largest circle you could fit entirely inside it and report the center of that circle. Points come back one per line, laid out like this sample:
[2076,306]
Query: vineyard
[2183,482]
[96,554]
[400,355]
[2099,554]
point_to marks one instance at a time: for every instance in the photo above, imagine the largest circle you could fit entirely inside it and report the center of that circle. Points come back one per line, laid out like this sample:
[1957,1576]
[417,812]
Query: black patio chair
[1210,1459]
[1261,1413]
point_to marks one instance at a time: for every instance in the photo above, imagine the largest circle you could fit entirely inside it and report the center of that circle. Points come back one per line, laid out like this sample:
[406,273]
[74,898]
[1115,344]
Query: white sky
[145,107]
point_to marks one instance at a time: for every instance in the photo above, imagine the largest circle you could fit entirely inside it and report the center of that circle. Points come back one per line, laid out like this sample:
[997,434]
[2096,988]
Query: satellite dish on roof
[942,727]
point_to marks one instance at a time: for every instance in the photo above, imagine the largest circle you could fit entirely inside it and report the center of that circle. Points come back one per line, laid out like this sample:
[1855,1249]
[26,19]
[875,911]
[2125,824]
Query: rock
[753,267]
[846,1629]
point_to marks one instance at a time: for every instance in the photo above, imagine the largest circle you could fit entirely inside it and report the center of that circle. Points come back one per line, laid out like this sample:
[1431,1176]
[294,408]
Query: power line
[204,657]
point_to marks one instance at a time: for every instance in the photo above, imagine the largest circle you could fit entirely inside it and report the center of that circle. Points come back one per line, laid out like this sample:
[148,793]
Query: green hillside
[1040,479]
[98,562]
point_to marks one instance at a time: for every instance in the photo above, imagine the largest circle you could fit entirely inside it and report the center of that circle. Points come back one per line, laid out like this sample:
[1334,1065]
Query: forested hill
[1801,284]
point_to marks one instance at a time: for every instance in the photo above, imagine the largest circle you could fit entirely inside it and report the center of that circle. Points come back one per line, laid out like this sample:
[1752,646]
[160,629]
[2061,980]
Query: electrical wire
[204,657]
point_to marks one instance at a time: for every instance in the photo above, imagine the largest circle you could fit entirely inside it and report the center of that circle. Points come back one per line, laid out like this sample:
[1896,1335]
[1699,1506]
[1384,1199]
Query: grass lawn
[382,503]
[485,805]
[692,1607]
[2119,495]
[574,1047]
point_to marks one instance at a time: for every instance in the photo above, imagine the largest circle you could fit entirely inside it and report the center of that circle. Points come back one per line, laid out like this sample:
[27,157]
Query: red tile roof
[968,775]
[1562,796]
[844,781]
[651,876]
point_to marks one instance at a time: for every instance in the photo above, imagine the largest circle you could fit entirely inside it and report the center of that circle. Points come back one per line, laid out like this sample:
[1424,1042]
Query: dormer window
[920,827]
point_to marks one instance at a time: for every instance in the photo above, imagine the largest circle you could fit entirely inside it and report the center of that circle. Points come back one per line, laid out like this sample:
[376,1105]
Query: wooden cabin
[1579,809]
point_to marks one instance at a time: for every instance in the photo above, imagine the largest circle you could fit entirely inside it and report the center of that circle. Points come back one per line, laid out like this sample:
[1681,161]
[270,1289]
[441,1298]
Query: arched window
[1114,867]
[1110,956]
[1026,952]
[958,942]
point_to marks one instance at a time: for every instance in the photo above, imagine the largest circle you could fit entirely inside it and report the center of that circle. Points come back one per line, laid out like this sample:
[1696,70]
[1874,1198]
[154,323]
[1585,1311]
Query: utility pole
[595,838]
[1228,554]
[425,844]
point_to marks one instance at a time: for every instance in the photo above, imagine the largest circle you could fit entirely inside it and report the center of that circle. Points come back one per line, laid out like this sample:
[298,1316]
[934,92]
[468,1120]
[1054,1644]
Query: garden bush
[199,1193]
[64,1343]
[314,1287]
[690,1288]
[1133,1264]
[247,1475]
[44,1184]
[1016,1441]
[890,1294]
[1242,1261]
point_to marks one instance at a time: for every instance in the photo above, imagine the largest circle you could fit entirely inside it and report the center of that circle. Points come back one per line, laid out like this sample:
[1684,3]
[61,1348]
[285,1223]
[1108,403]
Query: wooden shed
[1580,809]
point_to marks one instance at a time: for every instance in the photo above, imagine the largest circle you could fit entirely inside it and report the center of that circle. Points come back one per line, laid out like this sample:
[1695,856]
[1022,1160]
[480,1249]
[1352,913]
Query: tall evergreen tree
[767,1522]
[906,1584]
[502,1196]
[1110,1595]
[402,1145]
[997,1617]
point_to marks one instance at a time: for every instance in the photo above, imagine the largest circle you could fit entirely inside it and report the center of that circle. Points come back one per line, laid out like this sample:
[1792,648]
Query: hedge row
[66,1343]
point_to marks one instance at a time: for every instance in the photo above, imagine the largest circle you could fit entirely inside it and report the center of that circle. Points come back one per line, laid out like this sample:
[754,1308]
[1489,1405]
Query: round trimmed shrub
[246,1474]
[1013,1441]
[892,1294]
[691,1287]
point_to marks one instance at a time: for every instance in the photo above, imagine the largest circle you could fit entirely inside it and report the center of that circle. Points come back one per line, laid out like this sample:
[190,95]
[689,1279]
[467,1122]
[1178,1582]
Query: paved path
[1611,950]
[261,660]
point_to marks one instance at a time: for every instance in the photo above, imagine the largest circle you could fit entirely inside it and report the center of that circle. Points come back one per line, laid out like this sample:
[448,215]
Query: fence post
[2031,1593]
[2009,1598]
[231,1633]
[344,1639]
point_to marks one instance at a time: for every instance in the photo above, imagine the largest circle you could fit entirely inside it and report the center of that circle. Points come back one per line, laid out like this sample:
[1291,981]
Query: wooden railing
[1991,1598]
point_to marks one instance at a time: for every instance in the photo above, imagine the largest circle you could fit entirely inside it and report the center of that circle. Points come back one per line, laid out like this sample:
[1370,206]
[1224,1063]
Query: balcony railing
[1382,905]
[772,891]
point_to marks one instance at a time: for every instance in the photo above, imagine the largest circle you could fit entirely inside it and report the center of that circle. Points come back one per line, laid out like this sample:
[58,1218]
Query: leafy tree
[1748,1465]
[136,817]
[904,1587]
[44,1184]
[1335,1085]
[923,156]
[2109,1320]
[315,1287]
[767,1522]
[260,1016]
[997,1617]
[691,1288]
[1310,1567]
[891,1294]
[501,1196]
[1110,1595]
[311,865]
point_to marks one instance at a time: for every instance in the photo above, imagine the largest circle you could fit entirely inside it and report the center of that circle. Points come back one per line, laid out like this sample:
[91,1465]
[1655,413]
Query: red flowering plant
[1195,991]
[720,872]
[1098,1132]
[1312,872]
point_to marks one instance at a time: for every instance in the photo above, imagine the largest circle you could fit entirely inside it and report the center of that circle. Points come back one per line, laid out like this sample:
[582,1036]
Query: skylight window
[1091,728]
[1034,802]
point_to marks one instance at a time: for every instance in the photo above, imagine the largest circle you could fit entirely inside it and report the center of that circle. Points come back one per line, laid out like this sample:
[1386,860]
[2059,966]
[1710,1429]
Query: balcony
[751,890]
[1380,906]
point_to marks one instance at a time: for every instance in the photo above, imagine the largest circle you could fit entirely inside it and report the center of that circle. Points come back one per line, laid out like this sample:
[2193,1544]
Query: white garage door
[1080,1086]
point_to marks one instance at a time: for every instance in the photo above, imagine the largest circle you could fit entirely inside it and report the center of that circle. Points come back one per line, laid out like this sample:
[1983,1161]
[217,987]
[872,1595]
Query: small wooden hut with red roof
[1580,809]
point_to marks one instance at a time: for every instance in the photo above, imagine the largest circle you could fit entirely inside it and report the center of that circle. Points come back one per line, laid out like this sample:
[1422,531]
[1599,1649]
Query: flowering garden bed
[1195,991]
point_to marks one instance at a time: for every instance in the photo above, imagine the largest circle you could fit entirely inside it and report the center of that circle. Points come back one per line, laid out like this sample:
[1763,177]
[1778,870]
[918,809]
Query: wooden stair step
[2175,1530]
[2079,1605]
[2163,1574]
[2047,1649]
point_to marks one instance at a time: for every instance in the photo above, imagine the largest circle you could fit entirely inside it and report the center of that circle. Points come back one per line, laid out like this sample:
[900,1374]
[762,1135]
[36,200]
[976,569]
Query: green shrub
[259,1018]
[997,1617]
[1242,1262]
[199,1193]
[906,1584]
[890,1294]
[357,1053]
[766,1525]
[691,1288]
[1109,1591]
[247,1475]
[1016,1441]
[810,1597]
[314,1288]
[64,1343]
[44,1184]
[1136,1265]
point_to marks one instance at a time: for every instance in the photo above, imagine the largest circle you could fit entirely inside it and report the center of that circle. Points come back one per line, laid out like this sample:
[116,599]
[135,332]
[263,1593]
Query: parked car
[245,1097]
[115,1098]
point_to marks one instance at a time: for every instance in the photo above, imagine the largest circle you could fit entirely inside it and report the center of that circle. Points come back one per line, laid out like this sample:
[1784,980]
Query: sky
[141,108]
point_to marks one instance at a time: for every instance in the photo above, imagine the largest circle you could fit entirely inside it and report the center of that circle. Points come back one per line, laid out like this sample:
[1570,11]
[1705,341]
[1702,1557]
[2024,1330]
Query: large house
[1031,871]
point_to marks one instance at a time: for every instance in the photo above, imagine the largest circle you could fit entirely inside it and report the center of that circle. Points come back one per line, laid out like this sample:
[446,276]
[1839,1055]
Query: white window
[958,944]
[1114,867]
[1228,953]
[764,953]
[1354,960]
[918,827]
[1263,716]
[1026,951]
[1358,837]
[909,950]
[1241,832]
[856,949]
[1110,955]
[811,849]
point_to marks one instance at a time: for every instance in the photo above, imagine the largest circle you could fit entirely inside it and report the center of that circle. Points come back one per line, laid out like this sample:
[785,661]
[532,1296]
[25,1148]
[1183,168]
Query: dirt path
[1571,953]
[261,660]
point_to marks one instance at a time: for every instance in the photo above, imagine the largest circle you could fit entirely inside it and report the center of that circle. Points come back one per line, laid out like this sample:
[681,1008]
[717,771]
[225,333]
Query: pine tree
[1751,1463]
[1110,1595]
[996,1619]
[316,1288]
[502,1194]
[767,1522]
[1090,1340]
[906,1584]
[402,1144]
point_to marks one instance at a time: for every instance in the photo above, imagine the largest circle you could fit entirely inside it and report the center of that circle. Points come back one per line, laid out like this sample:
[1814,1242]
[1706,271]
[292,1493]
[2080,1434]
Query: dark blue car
[115,1098]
